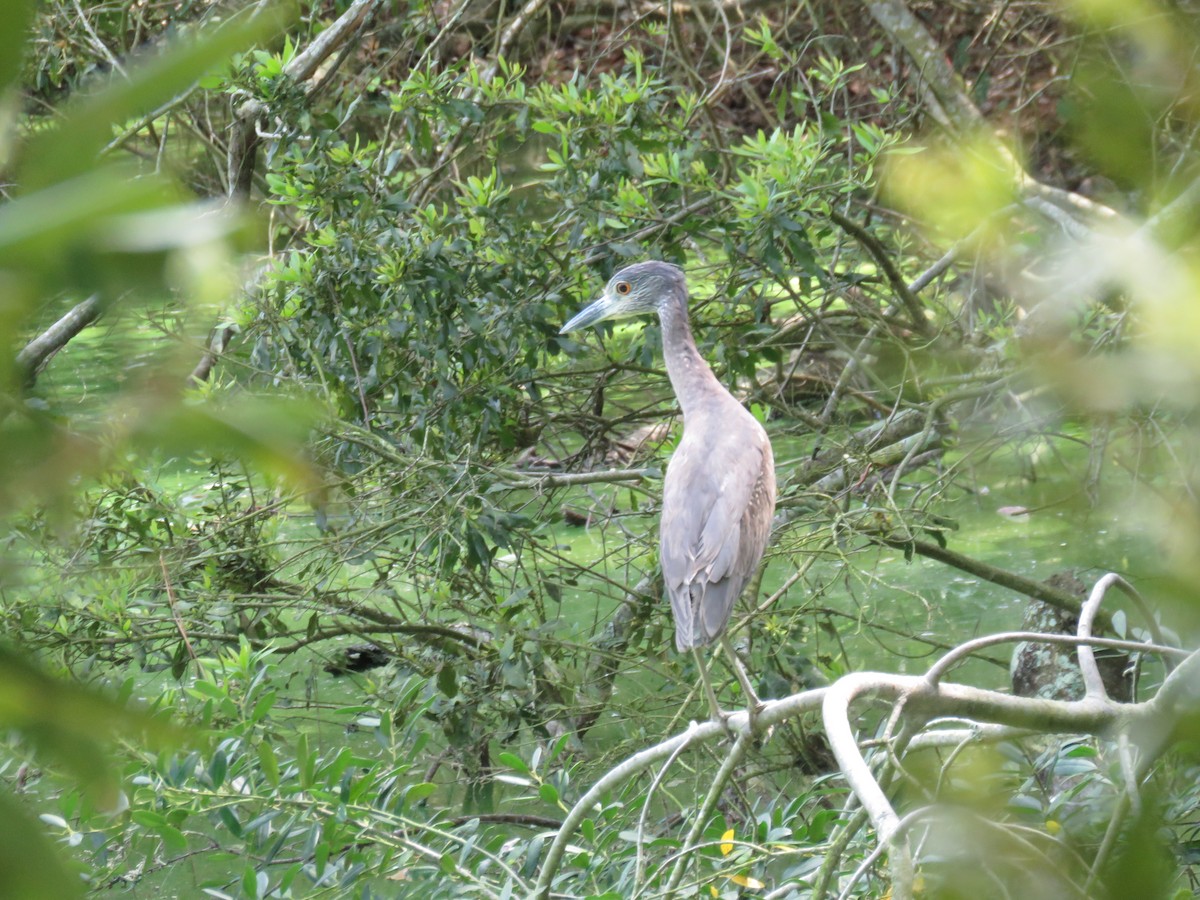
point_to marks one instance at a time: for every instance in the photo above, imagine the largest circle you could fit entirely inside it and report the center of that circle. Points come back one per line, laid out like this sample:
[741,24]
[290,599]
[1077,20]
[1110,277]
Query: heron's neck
[690,375]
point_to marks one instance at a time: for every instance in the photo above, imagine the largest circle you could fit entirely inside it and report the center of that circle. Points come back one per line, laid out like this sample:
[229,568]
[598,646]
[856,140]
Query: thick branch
[304,64]
[922,701]
[877,435]
[920,698]
[950,104]
[218,342]
[970,648]
[448,639]
[512,32]
[947,96]
[891,455]
[243,143]
[835,711]
[1059,599]
[570,479]
[33,358]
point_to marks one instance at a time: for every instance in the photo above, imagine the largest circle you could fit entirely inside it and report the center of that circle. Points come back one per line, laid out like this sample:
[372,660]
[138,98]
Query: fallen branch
[34,356]
[1029,587]
[218,343]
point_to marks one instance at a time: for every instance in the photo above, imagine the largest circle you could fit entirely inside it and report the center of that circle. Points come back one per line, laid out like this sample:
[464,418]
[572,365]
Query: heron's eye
[623,287]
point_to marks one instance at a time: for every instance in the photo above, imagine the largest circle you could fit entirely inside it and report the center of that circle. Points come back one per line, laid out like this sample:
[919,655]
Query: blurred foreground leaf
[71,149]
[14,20]
[956,187]
[70,723]
[80,225]
[29,867]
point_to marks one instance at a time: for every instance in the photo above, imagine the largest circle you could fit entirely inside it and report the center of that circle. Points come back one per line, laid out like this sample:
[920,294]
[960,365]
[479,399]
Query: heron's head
[640,288]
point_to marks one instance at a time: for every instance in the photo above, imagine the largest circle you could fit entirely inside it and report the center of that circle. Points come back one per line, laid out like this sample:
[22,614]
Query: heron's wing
[718,499]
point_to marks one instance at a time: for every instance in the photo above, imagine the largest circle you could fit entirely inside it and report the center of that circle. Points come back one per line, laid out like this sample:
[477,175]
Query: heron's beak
[597,311]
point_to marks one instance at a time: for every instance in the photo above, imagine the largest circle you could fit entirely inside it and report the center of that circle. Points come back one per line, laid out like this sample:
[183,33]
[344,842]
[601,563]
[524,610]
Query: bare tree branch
[33,358]
[949,103]
[1149,724]
[218,341]
[1028,586]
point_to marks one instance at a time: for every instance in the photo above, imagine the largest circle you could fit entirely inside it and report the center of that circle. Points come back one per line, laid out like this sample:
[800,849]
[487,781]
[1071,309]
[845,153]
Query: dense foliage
[370,598]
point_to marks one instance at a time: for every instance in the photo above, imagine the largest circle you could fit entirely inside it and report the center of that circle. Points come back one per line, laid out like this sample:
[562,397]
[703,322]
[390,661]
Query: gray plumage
[719,492]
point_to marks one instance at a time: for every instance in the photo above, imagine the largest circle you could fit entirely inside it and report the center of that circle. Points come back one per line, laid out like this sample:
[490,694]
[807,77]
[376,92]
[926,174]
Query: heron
[719,490]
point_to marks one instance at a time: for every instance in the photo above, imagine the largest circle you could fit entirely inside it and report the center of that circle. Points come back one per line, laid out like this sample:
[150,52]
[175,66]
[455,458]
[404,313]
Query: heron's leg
[713,705]
[753,704]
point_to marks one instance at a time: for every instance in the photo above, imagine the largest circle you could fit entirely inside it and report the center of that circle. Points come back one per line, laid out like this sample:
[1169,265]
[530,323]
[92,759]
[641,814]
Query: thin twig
[732,759]
[640,866]
[916,313]
[162,562]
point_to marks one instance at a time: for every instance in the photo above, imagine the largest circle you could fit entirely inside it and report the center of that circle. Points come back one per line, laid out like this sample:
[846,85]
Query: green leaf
[418,792]
[173,839]
[148,818]
[218,768]
[305,760]
[269,763]
[230,820]
[250,882]
[264,705]
[514,762]
[447,679]
[208,689]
